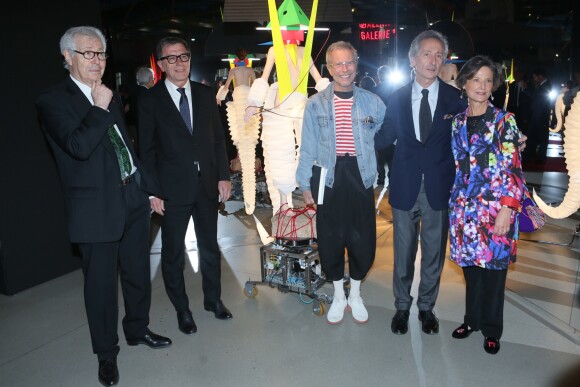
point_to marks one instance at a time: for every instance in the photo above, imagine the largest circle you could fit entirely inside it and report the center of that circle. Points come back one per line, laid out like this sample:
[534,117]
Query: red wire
[287,217]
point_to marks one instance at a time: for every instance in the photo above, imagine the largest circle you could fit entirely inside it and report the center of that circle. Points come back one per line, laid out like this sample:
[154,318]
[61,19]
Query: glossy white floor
[276,340]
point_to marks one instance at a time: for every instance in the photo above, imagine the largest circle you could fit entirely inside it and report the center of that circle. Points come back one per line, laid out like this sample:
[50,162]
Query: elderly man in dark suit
[418,118]
[182,144]
[106,194]
[145,78]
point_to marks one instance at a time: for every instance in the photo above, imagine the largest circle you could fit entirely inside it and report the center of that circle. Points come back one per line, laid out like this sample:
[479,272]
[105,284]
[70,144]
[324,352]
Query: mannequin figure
[244,134]
[448,73]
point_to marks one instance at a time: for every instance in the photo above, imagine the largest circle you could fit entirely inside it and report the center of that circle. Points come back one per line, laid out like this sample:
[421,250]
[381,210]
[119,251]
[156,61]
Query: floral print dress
[488,175]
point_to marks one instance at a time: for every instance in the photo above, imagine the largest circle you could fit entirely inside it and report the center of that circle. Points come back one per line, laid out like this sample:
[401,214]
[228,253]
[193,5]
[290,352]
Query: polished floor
[276,340]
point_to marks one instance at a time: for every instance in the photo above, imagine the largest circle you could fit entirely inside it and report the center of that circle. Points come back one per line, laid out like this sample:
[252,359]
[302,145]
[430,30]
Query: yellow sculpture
[284,101]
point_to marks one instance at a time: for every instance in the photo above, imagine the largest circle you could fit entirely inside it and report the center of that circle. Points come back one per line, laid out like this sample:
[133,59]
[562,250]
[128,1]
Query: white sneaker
[359,312]
[336,311]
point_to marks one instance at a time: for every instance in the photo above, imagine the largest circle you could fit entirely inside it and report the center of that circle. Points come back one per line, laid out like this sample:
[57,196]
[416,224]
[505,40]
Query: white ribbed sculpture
[281,137]
[571,201]
[283,102]
[244,134]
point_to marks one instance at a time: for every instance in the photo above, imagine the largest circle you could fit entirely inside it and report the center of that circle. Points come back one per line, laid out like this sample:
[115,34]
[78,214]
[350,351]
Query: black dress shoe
[151,340]
[108,372]
[185,322]
[400,322]
[219,309]
[491,345]
[462,331]
[429,323]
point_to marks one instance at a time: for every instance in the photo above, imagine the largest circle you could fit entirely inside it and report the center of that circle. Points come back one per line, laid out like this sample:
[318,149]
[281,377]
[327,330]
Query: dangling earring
[462,91]
[492,97]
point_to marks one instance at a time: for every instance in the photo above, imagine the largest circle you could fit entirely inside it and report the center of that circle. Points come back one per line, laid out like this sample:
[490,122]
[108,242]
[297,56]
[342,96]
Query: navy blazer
[87,162]
[168,150]
[414,160]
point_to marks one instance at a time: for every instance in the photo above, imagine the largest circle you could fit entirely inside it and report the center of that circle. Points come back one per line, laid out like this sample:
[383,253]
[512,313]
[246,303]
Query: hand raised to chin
[101,94]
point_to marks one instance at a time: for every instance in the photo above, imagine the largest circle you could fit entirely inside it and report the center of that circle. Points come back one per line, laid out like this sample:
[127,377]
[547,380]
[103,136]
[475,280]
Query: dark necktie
[425,119]
[121,151]
[184,109]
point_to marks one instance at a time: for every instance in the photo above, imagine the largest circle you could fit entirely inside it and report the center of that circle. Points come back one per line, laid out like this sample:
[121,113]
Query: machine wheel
[318,308]
[250,290]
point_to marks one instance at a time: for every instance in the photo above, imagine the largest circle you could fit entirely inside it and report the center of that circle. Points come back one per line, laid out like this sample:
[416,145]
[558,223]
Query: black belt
[129,179]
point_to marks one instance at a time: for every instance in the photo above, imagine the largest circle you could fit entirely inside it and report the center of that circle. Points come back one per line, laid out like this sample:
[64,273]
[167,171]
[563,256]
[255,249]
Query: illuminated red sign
[374,31]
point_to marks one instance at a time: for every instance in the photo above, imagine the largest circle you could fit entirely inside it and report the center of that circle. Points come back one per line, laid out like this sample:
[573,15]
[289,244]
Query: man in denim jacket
[338,137]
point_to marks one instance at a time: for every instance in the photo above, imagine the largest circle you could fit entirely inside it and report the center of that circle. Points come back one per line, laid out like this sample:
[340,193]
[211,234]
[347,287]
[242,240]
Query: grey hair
[382,72]
[144,75]
[429,34]
[67,41]
[340,45]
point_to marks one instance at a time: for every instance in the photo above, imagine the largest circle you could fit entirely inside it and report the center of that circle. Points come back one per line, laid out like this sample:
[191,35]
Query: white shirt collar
[84,88]
[433,88]
[172,87]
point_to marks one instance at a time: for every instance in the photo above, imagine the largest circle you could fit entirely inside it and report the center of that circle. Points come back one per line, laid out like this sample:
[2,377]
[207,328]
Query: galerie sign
[373,31]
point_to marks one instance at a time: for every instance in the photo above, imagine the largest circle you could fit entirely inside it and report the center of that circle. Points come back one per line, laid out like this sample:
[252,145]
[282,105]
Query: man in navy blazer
[106,194]
[182,143]
[421,179]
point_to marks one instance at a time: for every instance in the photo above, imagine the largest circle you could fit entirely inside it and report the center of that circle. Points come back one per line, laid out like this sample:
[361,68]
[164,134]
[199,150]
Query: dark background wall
[34,244]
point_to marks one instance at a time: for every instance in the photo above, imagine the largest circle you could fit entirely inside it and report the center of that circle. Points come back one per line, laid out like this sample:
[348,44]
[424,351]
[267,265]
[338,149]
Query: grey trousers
[432,227]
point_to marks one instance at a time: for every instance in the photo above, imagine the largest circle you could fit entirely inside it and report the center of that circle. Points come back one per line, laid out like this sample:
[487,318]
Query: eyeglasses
[171,59]
[348,64]
[91,54]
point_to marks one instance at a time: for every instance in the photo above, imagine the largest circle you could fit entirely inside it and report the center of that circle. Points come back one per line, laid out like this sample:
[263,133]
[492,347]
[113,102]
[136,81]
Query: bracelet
[506,206]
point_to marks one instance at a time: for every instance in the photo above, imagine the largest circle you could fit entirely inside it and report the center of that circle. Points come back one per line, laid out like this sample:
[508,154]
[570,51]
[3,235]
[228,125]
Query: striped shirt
[344,137]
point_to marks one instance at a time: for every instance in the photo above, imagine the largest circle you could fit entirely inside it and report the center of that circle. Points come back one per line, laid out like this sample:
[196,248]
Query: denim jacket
[319,135]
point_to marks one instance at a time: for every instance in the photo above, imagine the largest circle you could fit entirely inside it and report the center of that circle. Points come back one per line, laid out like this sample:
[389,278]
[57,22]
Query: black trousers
[536,144]
[384,156]
[204,211]
[346,219]
[484,300]
[128,257]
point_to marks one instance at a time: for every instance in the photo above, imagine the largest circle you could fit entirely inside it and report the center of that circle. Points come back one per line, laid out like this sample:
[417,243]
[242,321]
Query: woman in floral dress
[484,200]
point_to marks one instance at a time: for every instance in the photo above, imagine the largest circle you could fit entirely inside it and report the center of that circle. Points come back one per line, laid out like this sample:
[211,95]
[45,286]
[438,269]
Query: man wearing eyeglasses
[106,194]
[182,144]
[340,123]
